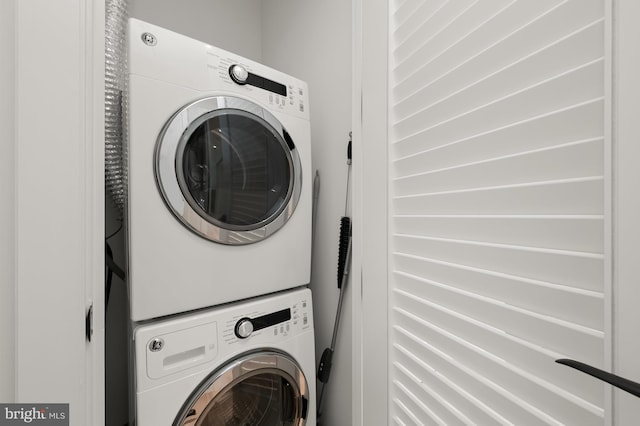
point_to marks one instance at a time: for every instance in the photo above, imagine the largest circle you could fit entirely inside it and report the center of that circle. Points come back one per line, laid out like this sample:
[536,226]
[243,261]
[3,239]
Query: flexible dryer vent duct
[115,107]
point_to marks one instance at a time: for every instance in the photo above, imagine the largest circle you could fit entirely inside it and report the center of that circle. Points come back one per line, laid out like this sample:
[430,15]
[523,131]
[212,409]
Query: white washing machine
[249,363]
[219,202]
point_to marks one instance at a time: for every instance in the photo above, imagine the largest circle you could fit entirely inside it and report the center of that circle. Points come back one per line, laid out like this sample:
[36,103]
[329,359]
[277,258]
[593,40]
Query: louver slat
[475,84]
[547,130]
[517,168]
[497,211]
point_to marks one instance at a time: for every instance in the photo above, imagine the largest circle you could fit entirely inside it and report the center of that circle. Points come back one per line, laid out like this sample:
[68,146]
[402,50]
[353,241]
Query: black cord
[108,254]
[110,266]
[113,234]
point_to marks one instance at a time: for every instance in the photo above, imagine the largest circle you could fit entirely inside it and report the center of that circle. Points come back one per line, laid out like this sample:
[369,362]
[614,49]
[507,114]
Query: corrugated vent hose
[115,151]
[114,104]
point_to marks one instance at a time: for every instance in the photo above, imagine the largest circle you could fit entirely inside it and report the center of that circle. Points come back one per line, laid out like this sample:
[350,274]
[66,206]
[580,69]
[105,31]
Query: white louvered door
[499,211]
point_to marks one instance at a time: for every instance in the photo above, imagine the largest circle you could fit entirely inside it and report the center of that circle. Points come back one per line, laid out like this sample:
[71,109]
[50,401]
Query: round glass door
[228,170]
[264,389]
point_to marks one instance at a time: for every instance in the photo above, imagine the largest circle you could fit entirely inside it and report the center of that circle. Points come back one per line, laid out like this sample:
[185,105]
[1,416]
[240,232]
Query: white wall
[7,194]
[312,41]
[230,25]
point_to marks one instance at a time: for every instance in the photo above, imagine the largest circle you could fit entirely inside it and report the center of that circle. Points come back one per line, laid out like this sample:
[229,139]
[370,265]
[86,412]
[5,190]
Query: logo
[149,39]
[156,344]
[34,414]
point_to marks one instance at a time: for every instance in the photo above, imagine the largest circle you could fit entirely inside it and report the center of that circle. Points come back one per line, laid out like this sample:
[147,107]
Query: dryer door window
[235,170]
[228,170]
[264,389]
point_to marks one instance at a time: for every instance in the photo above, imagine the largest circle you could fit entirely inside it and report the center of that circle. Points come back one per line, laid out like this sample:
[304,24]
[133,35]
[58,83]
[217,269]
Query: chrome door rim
[174,137]
[246,366]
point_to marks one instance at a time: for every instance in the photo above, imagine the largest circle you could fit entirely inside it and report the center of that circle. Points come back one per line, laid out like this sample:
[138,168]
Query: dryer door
[258,389]
[228,170]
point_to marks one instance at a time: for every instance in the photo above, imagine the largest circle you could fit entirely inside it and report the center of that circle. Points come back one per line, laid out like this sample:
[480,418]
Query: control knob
[238,73]
[244,328]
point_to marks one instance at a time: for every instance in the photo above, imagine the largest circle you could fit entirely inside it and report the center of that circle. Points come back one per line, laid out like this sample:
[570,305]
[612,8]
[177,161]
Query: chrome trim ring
[167,167]
[242,368]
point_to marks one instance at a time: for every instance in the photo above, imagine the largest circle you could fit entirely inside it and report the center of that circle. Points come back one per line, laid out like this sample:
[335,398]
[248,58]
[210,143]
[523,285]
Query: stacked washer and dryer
[219,236]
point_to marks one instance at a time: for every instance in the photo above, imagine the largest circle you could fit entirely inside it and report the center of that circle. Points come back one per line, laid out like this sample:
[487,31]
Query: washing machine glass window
[228,170]
[262,389]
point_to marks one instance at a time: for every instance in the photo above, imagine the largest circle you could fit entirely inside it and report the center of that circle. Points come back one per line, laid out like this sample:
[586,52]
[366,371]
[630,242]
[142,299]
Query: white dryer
[249,363]
[219,202]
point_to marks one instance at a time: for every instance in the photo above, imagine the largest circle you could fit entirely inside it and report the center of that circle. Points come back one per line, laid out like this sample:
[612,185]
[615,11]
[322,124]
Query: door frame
[59,205]
[370,211]
[626,204]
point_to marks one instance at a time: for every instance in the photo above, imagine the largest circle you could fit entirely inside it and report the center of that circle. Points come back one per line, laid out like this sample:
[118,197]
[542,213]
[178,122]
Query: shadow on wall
[116,327]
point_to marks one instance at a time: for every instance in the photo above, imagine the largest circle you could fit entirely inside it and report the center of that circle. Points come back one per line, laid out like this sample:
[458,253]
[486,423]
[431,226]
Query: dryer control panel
[274,89]
[163,55]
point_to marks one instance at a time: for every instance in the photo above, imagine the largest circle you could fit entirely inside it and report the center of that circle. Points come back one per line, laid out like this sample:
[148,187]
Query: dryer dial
[238,73]
[244,328]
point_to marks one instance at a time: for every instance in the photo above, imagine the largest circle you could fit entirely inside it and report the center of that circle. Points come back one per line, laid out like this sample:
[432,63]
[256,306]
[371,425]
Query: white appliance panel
[171,269]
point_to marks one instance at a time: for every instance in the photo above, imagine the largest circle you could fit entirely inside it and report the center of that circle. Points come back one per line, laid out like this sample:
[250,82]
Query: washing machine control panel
[259,325]
[245,326]
[183,346]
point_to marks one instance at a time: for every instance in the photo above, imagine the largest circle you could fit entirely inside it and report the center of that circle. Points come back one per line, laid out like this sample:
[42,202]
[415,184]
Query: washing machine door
[258,389]
[228,170]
